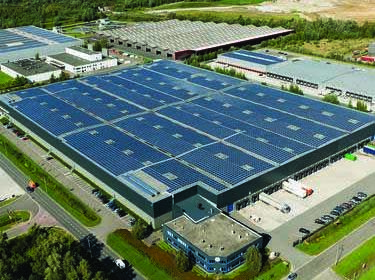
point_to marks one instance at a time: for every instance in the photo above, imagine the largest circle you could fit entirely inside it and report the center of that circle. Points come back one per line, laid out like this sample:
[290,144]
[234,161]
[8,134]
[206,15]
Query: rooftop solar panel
[172,122]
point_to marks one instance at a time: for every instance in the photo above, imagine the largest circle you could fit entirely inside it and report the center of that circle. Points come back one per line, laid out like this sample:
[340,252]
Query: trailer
[283,207]
[296,184]
[369,150]
[294,189]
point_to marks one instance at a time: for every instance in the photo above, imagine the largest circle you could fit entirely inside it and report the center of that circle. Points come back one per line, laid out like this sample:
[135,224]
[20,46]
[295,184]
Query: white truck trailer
[294,189]
[283,207]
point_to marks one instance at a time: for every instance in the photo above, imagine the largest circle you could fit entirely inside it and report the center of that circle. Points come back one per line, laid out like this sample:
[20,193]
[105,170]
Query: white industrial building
[31,69]
[316,77]
[79,60]
[27,41]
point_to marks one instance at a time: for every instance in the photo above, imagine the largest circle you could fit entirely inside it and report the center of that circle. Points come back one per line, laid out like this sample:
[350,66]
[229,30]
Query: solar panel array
[254,57]
[28,37]
[182,125]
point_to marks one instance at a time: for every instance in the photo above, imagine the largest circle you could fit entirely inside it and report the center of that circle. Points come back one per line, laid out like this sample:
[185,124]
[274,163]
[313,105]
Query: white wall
[44,76]
[89,57]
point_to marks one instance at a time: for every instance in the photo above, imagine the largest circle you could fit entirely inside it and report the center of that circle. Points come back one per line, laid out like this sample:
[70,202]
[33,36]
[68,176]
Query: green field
[54,189]
[351,267]
[136,258]
[16,217]
[332,233]
[4,78]
[199,4]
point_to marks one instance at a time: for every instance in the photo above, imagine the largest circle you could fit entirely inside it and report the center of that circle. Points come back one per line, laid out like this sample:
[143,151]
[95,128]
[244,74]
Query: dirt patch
[338,9]
[360,11]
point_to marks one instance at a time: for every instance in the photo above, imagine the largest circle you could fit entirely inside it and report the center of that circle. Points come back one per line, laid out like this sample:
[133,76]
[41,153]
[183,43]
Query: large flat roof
[253,57]
[170,126]
[28,37]
[28,67]
[70,59]
[176,35]
[218,235]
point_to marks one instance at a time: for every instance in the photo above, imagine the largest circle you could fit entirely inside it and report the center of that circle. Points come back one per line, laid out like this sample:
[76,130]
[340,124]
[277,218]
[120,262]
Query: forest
[52,254]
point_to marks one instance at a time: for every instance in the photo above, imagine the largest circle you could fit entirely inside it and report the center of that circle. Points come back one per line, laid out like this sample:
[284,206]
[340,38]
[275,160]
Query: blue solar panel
[203,78]
[176,175]
[182,125]
[335,116]
[253,57]
[46,34]
[54,115]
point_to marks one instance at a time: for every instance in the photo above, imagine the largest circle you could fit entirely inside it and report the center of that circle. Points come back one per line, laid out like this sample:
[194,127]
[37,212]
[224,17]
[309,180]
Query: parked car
[346,206]
[121,213]
[327,217]
[357,198]
[339,208]
[355,201]
[319,221]
[132,221]
[303,230]
[8,126]
[335,213]
[29,189]
[94,191]
[292,276]
[361,195]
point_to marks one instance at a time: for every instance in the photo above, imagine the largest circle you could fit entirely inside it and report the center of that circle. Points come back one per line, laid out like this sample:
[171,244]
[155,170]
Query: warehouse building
[31,69]
[27,41]
[78,60]
[177,40]
[158,134]
[350,83]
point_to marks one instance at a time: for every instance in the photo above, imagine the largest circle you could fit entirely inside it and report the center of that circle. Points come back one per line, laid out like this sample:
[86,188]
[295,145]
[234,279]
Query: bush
[331,98]
[182,261]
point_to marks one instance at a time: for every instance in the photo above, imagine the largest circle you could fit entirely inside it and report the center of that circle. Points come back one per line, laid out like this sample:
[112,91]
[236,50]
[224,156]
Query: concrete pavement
[328,274]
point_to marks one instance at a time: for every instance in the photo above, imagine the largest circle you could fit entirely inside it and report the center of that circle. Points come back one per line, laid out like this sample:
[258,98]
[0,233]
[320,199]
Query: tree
[350,104]
[253,259]
[182,261]
[141,230]
[295,89]
[361,106]
[331,98]
[37,56]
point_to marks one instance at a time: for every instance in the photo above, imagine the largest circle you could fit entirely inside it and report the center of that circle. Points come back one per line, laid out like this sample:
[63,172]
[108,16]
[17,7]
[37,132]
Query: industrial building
[218,244]
[349,82]
[31,69]
[371,49]
[27,41]
[179,39]
[158,134]
[79,60]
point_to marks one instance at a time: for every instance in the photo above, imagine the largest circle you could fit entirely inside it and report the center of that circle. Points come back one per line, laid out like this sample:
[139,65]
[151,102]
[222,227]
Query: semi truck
[283,207]
[294,189]
[298,187]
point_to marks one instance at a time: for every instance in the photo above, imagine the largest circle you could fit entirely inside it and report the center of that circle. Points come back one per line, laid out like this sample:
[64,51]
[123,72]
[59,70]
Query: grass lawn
[4,78]
[72,204]
[278,271]
[136,258]
[6,221]
[332,233]
[325,47]
[351,266]
[8,201]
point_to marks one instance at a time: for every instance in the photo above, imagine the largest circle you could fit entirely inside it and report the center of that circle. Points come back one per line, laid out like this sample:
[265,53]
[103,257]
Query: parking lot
[326,183]
[8,186]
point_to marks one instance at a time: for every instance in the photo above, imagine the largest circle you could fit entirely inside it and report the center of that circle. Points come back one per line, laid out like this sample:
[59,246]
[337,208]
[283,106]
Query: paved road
[329,257]
[23,202]
[68,222]
[283,236]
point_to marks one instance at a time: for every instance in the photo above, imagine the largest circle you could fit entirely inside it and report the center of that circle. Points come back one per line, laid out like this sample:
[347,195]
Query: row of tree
[360,105]
[52,254]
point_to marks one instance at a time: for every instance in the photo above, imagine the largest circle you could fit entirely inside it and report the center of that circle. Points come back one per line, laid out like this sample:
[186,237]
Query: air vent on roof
[247,167]
[261,94]
[109,141]
[293,127]
[328,114]
[281,100]
[128,152]
[247,112]
[319,136]
[170,176]
[93,132]
[140,118]
[303,107]
[78,123]
[353,121]
[221,156]
[268,119]
[177,135]
[157,126]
